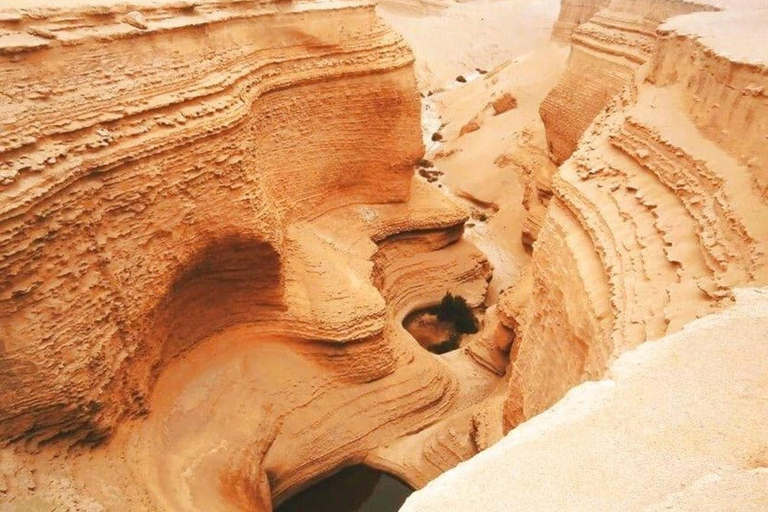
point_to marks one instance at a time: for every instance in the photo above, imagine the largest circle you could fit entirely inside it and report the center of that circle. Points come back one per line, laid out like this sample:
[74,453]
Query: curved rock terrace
[512,254]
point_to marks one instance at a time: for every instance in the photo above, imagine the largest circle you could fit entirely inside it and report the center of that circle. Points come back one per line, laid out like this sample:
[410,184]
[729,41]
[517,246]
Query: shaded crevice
[353,489]
[439,328]
[233,280]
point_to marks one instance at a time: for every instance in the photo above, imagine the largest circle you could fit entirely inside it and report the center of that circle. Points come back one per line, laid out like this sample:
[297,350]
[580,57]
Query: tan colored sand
[454,38]
[495,168]
[677,424]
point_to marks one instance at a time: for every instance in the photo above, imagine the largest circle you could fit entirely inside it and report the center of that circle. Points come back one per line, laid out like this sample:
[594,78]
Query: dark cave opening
[353,489]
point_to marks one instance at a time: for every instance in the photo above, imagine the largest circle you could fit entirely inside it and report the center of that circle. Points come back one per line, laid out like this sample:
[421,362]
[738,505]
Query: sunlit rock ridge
[657,214]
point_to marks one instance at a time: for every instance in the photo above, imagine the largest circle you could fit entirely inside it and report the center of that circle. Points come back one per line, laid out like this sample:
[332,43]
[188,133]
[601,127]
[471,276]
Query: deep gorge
[229,229]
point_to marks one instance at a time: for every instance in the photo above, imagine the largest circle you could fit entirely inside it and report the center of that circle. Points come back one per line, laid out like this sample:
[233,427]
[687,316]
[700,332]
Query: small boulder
[437,136]
[503,103]
[470,127]
[136,19]
[461,79]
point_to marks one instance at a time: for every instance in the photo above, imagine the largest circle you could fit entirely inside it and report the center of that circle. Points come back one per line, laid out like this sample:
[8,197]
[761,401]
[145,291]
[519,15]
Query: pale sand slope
[677,424]
[455,40]
[715,30]
[491,167]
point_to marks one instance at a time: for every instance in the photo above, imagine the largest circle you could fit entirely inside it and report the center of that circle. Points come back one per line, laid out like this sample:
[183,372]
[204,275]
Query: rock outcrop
[678,424]
[209,235]
[658,213]
[612,46]
[655,214]
[148,188]
[572,14]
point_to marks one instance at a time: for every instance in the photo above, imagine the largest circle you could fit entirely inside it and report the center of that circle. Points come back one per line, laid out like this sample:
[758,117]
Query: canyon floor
[218,216]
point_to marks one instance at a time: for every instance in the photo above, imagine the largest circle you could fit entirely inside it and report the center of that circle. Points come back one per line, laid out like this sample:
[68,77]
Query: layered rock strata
[690,406]
[658,213]
[210,233]
[572,14]
[149,177]
[612,46]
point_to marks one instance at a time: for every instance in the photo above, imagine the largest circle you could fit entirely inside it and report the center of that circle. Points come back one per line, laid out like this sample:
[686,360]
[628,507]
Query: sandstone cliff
[678,424]
[656,215]
[209,234]
[611,42]
[148,187]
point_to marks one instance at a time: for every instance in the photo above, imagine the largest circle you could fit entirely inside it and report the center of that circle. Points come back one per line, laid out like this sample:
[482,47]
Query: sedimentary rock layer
[150,176]
[245,418]
[611,47]
[210,235]
[690,406]
[572,14]
[658,213]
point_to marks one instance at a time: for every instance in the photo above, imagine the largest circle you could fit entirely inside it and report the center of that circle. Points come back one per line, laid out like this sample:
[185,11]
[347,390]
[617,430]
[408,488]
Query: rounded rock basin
[353,489]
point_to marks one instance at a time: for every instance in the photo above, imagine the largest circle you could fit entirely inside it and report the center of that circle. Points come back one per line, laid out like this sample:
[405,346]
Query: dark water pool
[353,489]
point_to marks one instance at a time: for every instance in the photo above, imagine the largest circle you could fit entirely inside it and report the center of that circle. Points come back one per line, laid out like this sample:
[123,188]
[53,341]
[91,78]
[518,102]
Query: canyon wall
[151,166]
[657,220]
[612,46]
[572,14]
[658,212]
[210,235]
[677,424]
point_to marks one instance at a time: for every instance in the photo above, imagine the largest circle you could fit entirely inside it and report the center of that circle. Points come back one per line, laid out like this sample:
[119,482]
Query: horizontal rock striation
[690,405]
[269,414]
[210,234]
[654,218]
[154,180]
[723,87]
[612,47]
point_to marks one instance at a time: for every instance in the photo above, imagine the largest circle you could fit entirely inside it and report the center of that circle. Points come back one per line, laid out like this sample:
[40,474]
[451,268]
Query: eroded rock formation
[658,213]
[612,46]
[678,424]
[209,226]
[142,211]
[211,235]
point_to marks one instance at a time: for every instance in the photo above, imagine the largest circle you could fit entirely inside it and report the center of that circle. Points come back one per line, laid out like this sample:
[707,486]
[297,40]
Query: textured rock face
[572,14]
[658,213]
[210,235]
[149,177]
[611,45]
[691,406]
[724,86]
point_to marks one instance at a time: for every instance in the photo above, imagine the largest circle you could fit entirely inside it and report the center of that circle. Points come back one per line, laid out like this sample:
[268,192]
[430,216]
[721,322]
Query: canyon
[219,218]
